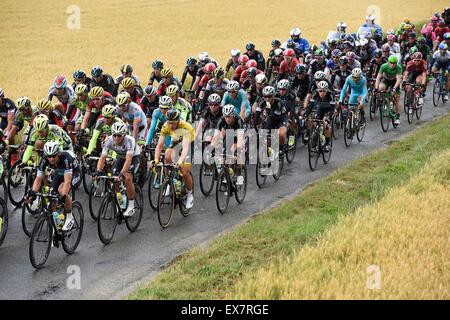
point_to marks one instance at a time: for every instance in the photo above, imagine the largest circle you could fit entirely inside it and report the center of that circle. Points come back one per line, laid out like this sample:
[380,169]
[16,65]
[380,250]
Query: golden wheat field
[36,43]
[398,248]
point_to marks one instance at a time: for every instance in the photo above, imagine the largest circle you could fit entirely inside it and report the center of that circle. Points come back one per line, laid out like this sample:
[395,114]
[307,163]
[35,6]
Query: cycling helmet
[336,53]
[289,53]
[300,68]
[295,32]
[291,44]
[276,43]
[228,110]
[434,18]
[250,46]
[60,82]
[319,75]
[386,47]
[51,148]
[268,91]
[23,102]
[44,105]
[81,89]
[122,98]
[214,98]
[370,17]
[149,90]
[173,115]
[203,56]
[378,53]
[412,35]
[79,74]
[446,36]
[96,92]
[218,73]
[251,72]
[261,78]
[232,85]
[235,52]
[157,64]
[126,68]
[172,90]
[417,56]
[128,83]
[343,60]
[251,64]
[283,84]
[423,41]
[209,67]
[322,85]
[119,128]
[356,73]
[341,26]
[363,42]
[108,110]
[40,122]
[413,50]
[390,37]
[165,102]
[443,46]
[319,52]
[351,55]
[191,61]
[278,52]
[96,71]
[243,59]
[2,93]
[166,72]
[393,59]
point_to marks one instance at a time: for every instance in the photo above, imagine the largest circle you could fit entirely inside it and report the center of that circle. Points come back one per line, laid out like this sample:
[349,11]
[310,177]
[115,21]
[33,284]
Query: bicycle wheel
[153,189]
[3,220]
[72,238]
[17,186]
[134,221]
[292,145]
[41,241]
[348,130]
[5,190]
[242,189]
[261,175]
[336,125]
[361,129]
[95,198]
[223,191]
[372,107]
[418,109]
[279,169]
[436,92]
[185,211]
[326,156]
[107,219]
[313,149]
[166,203]
[384,115]
[207,177]
[30,214]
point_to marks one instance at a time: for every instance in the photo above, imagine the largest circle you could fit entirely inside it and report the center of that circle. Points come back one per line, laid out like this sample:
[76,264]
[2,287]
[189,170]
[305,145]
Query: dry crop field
[37,44]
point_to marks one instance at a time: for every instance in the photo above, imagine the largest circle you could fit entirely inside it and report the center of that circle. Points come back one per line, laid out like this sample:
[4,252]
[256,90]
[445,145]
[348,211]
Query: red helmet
[289,53]
[417,56]
[251,64]
[243,59]
[209,67]
[60,82]
[390,37]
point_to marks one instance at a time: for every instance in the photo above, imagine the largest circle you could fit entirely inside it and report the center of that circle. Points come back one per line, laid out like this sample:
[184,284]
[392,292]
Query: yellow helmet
[23,102]
[171,90]
[96,92]
[40,122]
[44,105]
[128,83]
[166,72]
[108,110]
[81,89]
[122,98]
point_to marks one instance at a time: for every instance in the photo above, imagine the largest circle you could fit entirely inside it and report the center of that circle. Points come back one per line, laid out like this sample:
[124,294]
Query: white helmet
[51,148]
[214,98]
[363,42]
[119,128]
[278,52]
[261,78]
[203,56]
[356,72]
[232,85]
[296,32]
[283,84]
[268,91]
[319,75]
[165,102]
[370,17]
[235,52]
[341,25]
[322,85]
[228,110]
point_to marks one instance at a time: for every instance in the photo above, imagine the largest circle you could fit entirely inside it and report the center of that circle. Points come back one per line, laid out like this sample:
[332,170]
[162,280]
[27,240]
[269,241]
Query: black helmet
[79,74]
[378,53]
[300,68]
[291,44]
[251,72]
[96,71]
[343,60]
[276,43]
[411,35]
[250,46]
[191,61]
[173,115]
[157,64]
[126,68]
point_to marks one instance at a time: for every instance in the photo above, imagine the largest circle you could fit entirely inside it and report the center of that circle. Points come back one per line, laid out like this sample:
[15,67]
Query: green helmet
[413,50]
[319,52]
[393,59]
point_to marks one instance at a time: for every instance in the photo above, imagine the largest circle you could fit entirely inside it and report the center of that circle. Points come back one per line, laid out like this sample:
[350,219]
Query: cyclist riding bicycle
[182,136]
[77,108]
[338,78]
[98,99]
[80,77]
[319,63]
[301,43]
[180,104]
[358,85]
[7,111]
[238,98]
[126,72]
[284,93]
[133,115]
[191,69]
[390,76]
[256,55]
[45,106]
[100,79]
[375,64]
[301,82]
[416,72]
[63,92]
[233,61]
[217,85]
[159,118]
[210,116]
[66,175]
[149,102]
[127,161]
[287,67]
[441,61]
[134,90]
[25,112]
[157,66]
[167,79]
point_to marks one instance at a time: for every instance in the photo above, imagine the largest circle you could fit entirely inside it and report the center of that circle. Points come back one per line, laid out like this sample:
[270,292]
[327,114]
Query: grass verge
[213,272]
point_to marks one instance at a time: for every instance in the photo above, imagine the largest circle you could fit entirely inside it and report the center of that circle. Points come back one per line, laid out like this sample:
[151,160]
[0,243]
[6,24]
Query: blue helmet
[96,71]
[157,64]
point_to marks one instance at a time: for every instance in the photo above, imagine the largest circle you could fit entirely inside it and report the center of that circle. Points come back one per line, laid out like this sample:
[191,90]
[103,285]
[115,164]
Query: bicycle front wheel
[223,191]
[166,203]
[313,149]
[107,219]
[348,130]
[292,145]
[17,184]
[241,190]
[134,221]
[207,177]
[384,115]
[41,241]
[436,92]
[3,220]
[72,238]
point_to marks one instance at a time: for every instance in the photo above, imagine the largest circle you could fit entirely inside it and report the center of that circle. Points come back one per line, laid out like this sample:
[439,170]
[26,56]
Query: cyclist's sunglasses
[322,90]
[268,96]
[52,156]
[214,104]
[117,135]
[417,60]
[96,99]
[232,91]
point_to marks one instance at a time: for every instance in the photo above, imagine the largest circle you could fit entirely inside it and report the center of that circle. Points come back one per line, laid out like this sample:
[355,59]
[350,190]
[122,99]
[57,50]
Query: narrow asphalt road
[112,271]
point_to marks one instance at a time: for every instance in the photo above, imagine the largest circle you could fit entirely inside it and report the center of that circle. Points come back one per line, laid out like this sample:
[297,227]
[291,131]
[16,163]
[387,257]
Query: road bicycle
[439,87]
[353,123]
[386,103]
[316,144]
[411,101]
